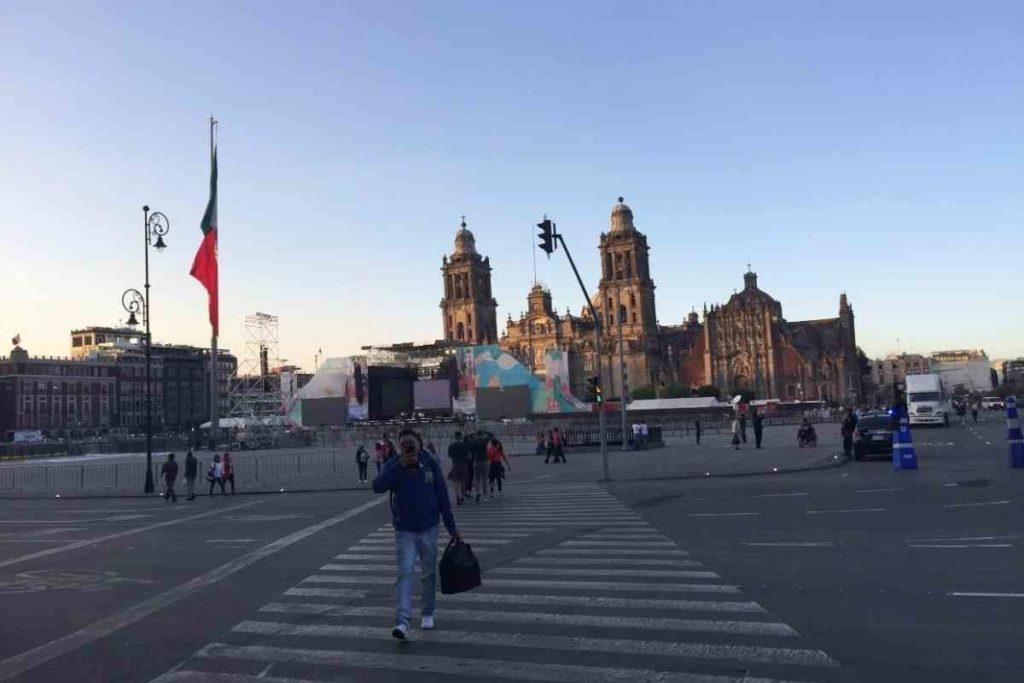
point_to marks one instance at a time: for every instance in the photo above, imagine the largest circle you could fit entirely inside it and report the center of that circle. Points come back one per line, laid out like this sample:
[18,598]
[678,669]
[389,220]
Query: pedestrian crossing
[576,587]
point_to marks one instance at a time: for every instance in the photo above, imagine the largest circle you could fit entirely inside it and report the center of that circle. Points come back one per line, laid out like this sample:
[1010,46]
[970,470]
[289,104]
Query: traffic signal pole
[549,241]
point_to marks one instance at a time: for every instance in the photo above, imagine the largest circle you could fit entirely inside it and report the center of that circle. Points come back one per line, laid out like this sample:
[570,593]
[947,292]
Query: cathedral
[744,345]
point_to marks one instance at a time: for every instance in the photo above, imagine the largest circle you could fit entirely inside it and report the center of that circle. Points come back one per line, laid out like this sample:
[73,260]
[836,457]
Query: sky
[869,147]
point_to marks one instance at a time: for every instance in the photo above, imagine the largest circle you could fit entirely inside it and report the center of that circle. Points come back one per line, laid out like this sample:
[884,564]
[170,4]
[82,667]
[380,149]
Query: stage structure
[255,392]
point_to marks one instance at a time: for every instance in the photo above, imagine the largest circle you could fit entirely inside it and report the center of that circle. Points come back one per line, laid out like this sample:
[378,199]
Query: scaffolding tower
[255,392]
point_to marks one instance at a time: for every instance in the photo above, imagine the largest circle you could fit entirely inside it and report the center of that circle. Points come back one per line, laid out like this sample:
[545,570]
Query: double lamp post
[136,303]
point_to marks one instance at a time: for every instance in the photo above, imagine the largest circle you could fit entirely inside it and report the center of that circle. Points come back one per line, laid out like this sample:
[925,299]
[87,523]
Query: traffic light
[546,236]
[594,394]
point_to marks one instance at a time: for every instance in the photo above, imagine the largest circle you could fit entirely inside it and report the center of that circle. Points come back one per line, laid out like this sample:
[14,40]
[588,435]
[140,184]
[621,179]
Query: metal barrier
[265,468]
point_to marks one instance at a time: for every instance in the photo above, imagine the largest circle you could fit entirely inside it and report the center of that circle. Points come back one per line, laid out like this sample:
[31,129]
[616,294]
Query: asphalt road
[851,573]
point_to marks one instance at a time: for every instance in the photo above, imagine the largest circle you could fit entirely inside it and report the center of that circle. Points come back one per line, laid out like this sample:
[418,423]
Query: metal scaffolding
[255,391]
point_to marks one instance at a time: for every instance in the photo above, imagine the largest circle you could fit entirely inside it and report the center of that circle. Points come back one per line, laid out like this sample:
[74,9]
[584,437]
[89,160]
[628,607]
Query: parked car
[993,403]
[873,435]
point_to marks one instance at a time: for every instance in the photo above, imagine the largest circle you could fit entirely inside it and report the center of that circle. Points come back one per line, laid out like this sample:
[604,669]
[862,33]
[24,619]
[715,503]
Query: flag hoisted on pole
[204,266]
[204,269]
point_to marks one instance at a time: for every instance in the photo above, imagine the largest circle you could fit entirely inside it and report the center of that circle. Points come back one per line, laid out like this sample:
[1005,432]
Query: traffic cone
[1013,435]
[903,455]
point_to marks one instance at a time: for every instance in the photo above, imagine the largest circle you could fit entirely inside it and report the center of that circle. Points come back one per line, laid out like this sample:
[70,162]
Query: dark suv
[873,435]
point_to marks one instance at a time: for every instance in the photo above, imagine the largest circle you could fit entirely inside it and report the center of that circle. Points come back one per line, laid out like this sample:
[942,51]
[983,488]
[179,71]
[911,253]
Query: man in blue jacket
[419,498]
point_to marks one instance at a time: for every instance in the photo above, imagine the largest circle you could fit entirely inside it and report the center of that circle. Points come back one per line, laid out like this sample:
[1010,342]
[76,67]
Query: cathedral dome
[465,243]
[622,218]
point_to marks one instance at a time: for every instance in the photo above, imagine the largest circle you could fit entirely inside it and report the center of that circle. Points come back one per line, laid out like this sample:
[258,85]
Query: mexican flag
[204,266]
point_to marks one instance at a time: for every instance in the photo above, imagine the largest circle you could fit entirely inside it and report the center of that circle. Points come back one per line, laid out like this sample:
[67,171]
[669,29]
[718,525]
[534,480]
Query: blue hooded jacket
[420,494]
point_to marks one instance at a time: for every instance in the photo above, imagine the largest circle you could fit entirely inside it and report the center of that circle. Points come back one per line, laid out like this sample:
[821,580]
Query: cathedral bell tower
[626,298]
[468,310]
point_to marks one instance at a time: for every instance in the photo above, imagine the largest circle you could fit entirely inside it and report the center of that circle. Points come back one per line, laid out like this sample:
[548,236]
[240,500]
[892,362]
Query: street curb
[156,496]
[830,463]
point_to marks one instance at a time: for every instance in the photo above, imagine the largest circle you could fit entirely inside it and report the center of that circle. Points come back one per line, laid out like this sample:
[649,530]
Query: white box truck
[927,402]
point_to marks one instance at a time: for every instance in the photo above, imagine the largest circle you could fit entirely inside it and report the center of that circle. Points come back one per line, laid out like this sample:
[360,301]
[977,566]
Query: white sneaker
[427,623]
[399,631]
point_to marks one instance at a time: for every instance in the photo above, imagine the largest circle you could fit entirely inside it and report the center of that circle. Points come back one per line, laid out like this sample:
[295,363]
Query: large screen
[432,394]
[325,412]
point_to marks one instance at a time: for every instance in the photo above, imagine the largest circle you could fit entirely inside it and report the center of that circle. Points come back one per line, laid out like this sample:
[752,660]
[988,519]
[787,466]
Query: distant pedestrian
[215,475]
[419,498]
[974,412]
[478,449]
[848,426]
[558,444]
[170,473]
[758,421]
[743,427]
[635,438]
[541,443]
[643,433]
[496,467]
[229,471]
[458,475]
[380,453]
[362,462]
[736,433]
[696,429]
[549,445]
[191,472]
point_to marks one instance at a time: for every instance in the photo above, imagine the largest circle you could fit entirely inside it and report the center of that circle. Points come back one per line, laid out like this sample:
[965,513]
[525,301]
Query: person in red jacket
[229,472]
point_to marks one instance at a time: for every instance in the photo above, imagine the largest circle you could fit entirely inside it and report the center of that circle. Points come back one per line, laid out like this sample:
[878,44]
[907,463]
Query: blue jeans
[409,544]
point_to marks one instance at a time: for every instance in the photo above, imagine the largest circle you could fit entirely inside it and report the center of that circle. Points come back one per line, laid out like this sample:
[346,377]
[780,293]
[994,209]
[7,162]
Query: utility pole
[549,241]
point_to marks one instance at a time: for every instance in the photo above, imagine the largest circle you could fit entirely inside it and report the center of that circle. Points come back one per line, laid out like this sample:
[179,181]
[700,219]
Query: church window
[791,391]
[629,264]
[634,317]
[458,287]
[622,314]
[469,319]
[470,334]
[460,332]
[608,265]
[632,300]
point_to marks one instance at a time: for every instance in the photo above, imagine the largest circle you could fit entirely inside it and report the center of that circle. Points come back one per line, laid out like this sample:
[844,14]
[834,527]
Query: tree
[709,391]
[675,391]
[642,393]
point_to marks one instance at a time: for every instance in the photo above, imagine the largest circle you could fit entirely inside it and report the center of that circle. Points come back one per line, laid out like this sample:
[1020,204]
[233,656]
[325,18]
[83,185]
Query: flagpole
[214,356]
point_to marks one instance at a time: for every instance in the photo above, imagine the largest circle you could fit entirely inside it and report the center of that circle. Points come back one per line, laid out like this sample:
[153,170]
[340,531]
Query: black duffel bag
[459,569]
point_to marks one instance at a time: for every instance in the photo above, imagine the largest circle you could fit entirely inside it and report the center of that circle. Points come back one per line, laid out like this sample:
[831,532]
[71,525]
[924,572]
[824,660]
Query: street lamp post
[155,226]
[620,315]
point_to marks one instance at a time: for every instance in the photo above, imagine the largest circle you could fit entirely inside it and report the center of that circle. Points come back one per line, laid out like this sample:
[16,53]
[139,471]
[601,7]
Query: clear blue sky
[871,147]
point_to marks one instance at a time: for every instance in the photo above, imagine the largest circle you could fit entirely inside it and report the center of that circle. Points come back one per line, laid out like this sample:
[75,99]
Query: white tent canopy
[676,404]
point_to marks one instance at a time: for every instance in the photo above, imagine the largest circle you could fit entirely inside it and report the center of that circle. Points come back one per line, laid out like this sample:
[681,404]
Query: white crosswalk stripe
[567,571]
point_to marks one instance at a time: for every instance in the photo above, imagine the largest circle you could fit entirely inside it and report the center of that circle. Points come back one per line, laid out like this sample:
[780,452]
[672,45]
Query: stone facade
[468,310]
[742,345]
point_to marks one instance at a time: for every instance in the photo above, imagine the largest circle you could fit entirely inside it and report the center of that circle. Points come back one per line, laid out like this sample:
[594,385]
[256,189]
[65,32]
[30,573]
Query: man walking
[696,429]
[191,472]
[229,471]
[743,427]
[758,420]
[558,444]
[418,497]
[170,472]
[478,449]
[849,425]
[458,453]
[362,462]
